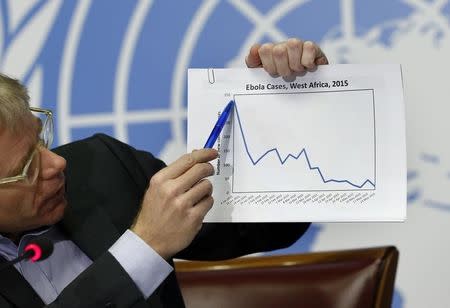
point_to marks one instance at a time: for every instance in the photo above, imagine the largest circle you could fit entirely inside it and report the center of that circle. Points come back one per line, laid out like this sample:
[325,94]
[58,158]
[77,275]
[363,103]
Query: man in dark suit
[115,234]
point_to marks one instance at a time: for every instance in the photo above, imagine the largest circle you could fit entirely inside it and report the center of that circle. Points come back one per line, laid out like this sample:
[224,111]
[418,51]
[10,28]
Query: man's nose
[51,164]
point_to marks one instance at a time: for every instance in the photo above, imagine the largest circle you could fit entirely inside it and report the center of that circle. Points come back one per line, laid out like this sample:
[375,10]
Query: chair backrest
[335,279]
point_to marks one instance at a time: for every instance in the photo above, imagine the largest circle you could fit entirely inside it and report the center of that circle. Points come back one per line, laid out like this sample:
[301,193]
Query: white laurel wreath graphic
[18,56]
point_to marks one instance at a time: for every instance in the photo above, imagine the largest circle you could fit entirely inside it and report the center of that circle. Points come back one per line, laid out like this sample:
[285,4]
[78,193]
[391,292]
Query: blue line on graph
[282,161]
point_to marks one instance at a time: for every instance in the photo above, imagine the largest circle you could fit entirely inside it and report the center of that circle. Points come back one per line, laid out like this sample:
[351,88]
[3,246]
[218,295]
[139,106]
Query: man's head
[31,177]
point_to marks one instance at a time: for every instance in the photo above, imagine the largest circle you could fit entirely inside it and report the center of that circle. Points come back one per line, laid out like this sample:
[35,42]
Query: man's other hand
[286,58]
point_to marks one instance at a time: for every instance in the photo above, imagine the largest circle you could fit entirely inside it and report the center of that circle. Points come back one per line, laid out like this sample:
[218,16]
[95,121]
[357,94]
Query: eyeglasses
[30,171]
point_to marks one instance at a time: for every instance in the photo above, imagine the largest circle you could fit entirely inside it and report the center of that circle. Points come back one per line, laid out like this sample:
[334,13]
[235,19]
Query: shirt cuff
[145,266]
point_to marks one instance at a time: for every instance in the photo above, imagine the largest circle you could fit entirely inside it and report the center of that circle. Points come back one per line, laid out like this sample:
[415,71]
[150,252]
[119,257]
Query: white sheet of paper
[328,146]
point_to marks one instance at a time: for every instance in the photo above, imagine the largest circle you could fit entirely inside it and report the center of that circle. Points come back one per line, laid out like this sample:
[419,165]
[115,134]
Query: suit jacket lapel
[92,231]
[16,289]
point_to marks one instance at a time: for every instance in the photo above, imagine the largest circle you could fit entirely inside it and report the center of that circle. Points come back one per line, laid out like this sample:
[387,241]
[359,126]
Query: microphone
[38,249]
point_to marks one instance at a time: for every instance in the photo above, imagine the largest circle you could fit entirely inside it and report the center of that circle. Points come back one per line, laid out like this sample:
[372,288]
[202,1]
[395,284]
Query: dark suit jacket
[106,180]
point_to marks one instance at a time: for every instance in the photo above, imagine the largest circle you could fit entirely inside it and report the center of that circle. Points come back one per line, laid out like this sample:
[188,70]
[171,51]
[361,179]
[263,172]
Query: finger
[253,60]
[202,208]
[309,55]
[198,192]
[186,162]
[193,175]
[321,58]
[295,49]
[265,54]
[280,57]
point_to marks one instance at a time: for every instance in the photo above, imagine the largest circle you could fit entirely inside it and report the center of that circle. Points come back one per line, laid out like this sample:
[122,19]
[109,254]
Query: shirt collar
[10,250]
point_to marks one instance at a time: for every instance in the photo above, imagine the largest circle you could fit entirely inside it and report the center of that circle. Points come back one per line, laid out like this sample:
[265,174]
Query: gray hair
[14,103]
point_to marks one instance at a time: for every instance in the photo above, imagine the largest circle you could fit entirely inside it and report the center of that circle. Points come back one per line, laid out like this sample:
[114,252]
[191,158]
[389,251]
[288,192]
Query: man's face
[23,206]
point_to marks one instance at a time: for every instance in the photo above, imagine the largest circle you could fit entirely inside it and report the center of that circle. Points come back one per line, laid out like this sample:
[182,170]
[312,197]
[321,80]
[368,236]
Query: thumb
[253,60]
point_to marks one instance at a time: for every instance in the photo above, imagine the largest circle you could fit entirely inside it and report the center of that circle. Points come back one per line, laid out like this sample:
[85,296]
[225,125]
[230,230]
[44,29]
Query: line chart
[296,157]
[297,162]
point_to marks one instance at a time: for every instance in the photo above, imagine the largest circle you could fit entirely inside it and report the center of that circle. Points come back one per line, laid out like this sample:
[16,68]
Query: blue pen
[219,125]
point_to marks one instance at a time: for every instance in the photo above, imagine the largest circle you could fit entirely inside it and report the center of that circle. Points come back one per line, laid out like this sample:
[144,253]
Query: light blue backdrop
[120,67]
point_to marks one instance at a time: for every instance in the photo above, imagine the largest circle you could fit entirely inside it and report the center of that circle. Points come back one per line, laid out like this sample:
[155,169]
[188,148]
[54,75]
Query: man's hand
[286,58]
[176,202]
